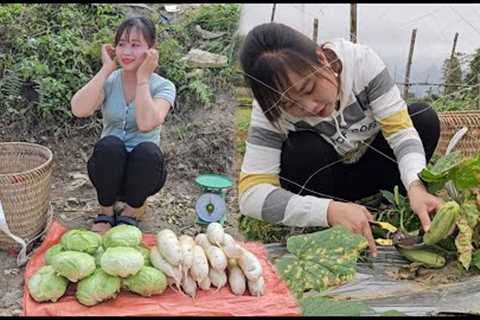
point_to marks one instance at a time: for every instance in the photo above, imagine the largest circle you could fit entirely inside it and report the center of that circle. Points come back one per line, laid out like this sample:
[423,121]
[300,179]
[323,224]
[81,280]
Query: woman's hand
[148,66]
[108,57]
[355,217]
[422,203]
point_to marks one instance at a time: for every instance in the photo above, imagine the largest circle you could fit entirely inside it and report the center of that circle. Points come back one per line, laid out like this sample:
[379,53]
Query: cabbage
[81,240]
[121,261]
[97,287]
[122,236]
[46,285]
[98,255]
[52,252]
[145,251]
[146,282]
[74,265]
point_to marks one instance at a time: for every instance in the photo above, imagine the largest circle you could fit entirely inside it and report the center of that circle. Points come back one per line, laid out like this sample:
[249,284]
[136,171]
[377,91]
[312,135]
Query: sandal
[132,221]
[102,218]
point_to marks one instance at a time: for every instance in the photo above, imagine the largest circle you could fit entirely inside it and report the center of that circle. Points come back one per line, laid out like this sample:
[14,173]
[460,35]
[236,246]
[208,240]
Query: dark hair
[142,24]
[268,52]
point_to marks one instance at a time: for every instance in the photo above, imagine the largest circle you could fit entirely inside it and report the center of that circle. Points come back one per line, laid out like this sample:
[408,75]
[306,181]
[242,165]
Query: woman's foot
[104,220]
[131,216]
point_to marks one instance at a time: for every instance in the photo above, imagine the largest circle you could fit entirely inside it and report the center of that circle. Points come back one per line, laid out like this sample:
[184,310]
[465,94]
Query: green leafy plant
[321,259]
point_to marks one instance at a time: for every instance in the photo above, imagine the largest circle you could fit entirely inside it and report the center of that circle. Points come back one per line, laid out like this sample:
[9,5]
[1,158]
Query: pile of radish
[211,259]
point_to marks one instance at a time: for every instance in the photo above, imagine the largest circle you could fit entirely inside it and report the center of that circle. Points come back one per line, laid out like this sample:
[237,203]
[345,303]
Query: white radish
[237,281]
[162,264]
[215,233]
[230,247]
[217,278]
[228,239]
[199,269]
[189,285]
[186,243]
[217,258]
[233,252]
[170,281]
[202,240]
[257,287]
[250,265]
[205,283]
[169,246]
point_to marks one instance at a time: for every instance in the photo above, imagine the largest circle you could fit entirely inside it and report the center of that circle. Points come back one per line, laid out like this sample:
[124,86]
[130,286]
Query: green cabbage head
[98,255]
[46,285]
[74,265]
[81,240]
[148,281]
[145,251]
[97,287]
[121,261]
[52,252]
[122,236]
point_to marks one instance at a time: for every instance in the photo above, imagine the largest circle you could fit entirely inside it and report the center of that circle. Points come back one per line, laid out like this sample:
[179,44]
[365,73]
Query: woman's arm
[150,112]
[89,98]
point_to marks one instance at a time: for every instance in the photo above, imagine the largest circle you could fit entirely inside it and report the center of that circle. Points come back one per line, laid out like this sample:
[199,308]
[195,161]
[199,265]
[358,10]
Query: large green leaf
[437,175]
[323,306]
[467,175]
[321,259]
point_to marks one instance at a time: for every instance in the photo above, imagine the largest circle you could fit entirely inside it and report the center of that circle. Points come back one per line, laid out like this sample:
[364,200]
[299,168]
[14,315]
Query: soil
[197,143]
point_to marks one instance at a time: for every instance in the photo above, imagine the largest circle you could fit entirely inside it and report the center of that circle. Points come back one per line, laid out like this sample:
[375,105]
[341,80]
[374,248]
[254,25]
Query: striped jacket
[369,102]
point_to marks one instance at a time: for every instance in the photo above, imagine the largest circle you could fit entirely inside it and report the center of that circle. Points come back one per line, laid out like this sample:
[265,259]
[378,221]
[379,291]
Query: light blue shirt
[119,118]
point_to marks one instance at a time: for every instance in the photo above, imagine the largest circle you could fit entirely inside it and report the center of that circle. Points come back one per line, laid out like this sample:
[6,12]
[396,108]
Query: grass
[242,122]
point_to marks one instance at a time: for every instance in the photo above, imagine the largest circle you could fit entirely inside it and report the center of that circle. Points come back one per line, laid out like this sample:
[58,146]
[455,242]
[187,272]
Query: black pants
[128,176]
[305,152]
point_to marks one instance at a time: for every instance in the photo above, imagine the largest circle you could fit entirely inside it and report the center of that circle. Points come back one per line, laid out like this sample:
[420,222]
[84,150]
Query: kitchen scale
[210,206]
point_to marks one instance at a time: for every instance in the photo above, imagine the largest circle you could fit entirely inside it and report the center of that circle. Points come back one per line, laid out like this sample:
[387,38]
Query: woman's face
[131,51]
[311,94]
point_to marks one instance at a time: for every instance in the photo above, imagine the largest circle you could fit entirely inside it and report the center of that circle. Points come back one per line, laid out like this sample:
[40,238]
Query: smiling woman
[127,162]
[328,127]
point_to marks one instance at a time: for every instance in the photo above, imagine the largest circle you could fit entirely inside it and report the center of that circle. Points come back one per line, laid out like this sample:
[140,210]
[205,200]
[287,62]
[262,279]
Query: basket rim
[459,112]
[34,145]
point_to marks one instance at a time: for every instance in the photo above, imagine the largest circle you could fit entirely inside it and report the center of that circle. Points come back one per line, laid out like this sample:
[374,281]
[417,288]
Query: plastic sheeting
[277,300]
[374,285]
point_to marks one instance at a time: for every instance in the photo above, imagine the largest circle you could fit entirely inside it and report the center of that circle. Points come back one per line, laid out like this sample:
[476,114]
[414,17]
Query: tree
[452,74]
[473,69]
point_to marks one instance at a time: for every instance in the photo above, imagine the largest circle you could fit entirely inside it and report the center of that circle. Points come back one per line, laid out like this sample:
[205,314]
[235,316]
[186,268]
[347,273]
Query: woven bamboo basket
[451,122]
[25,171]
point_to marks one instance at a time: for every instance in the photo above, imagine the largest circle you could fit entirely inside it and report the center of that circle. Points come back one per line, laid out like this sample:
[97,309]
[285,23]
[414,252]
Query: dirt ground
[199,143]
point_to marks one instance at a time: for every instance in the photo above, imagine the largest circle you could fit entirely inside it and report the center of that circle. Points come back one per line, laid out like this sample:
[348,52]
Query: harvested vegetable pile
[101,266]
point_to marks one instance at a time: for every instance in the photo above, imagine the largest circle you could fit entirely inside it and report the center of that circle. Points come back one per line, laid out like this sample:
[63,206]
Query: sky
[386,28]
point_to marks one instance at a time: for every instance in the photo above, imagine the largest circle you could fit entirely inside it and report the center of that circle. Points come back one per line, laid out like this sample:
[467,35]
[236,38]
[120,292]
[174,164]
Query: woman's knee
[306,149]
[111,146]
[147,152]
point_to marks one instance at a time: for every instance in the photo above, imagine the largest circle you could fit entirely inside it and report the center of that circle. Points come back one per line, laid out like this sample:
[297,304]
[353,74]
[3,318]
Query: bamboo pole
[315,30]
[353,22]
[409,63]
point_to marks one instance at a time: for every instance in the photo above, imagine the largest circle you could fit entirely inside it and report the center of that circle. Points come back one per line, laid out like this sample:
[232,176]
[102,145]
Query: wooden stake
[454,45]
[273,12]
[353,22]
[450,64]
[315,30]
[409,63]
